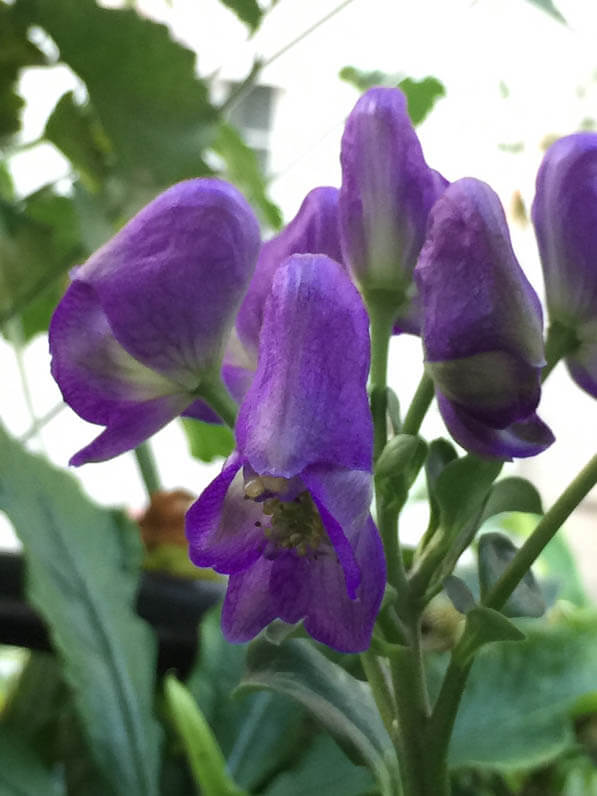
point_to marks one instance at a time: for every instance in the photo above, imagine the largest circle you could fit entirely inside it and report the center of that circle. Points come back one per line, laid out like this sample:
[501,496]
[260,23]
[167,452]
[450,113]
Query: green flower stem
[147,468]
[381,690]
[217,397]
[446,707]
[419,405]
[560,342]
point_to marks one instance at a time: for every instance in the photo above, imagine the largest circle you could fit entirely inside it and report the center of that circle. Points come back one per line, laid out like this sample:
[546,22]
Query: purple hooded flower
[288,517]
[482,326]
[144,322]
[386,195]
[314,230]
[565,218]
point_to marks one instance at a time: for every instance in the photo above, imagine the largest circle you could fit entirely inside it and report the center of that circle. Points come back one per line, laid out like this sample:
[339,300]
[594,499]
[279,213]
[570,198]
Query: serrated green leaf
[208,441]
[515,712]
[242,168]
[343,704]
[82,578]
[75,131]
[248,11]
[421,96]
[202,751]
[496,551]
[142,85]
[22,772]
[512,494]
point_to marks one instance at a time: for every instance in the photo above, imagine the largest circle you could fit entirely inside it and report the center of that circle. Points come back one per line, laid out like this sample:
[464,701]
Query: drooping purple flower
[482,326]
[314,230]
[144,322]
[386,195]
[288,518]
[565,218]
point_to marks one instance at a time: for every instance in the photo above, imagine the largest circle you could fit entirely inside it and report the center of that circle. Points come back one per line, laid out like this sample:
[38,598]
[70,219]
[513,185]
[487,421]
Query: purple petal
[129,426]
[221,524]
[289,586]
[314,230]
[565,217]
[332,617]
[171,281]
[248,606]
[387,191]
[308,402]
[474,294]
[583,364]
[525,437]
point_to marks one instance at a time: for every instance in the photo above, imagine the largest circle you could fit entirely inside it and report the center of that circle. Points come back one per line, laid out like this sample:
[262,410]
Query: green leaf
[257,733]
[82,564]
[399,465]
[459,594]
[421,96]
[515,709]
[75,130]
[363,80]
[496,551]
[549,8]
[208,441]
[22,772]
[39,241]
[242,168]
[141,83]
[324,768]
[203,753]
[248,11]
[485,626]
[512,494]
[343,704]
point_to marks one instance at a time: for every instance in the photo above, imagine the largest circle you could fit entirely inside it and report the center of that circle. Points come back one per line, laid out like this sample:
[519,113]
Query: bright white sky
[479,50]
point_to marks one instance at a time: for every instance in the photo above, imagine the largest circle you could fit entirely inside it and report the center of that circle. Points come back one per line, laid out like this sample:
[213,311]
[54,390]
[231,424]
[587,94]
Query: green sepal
[496,551]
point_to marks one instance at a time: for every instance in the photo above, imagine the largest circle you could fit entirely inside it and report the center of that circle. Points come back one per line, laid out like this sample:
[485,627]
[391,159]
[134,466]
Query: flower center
[293,524]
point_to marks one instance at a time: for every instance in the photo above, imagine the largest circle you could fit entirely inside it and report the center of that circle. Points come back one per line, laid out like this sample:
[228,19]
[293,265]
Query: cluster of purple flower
[184,295]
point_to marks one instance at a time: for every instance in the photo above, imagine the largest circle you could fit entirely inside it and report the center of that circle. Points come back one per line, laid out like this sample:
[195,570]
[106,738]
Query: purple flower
[143,324]
[288,517]
[565,218]
[314,230]
[386,195]
[482,326]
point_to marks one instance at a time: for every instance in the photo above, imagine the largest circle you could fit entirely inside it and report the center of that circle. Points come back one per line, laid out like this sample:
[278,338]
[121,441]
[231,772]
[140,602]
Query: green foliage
[242,168]
[82,577]
[22,772]
[485,626]
[207,441]
[421,95]
[142,85]
[248,11]
[203,753]
[512,494]
[398,466]
[515,713]
[496,551]
[340,702]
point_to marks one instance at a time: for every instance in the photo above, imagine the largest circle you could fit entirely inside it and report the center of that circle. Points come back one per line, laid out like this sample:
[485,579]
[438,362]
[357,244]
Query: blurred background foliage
[85,722]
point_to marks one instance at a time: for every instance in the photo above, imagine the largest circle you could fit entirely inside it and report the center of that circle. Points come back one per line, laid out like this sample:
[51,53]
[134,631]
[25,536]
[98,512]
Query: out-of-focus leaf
[516,706]
[82,565]
[208,441]
[421,96]
[22,772]
[258,733]
[203,753]
[549,8]
[496,551]
[7,193]
[248,11]
[343,704]
[512,494]
[75,130]
[242,168]
[323,769]
[16,52]
[141,83]
[39,241]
